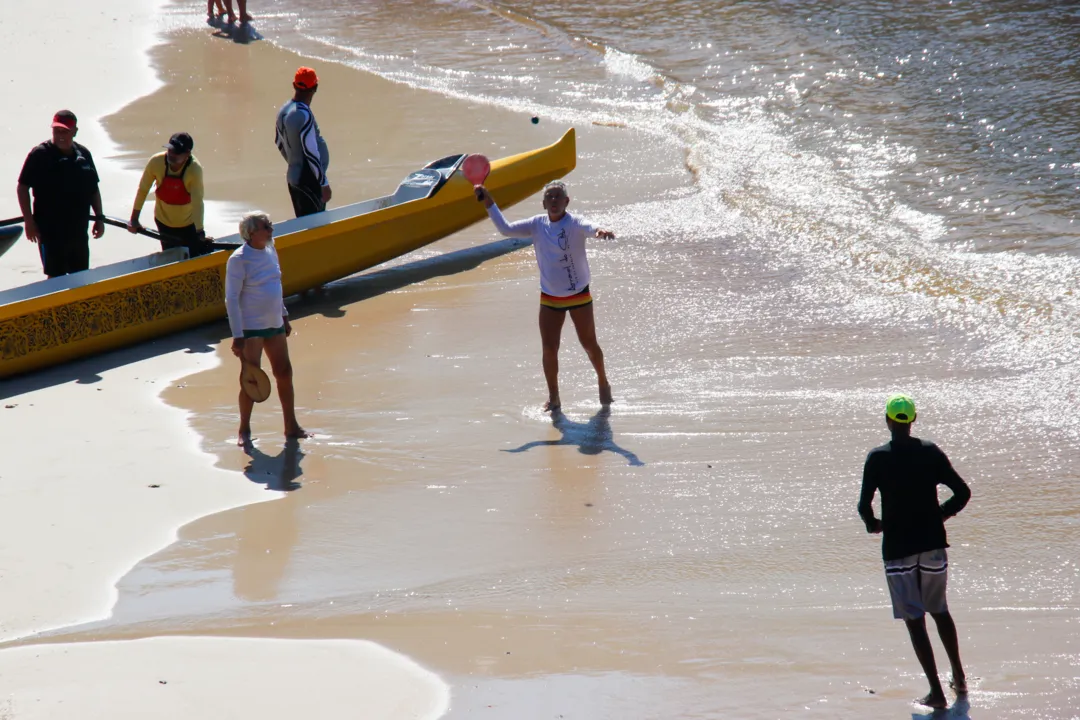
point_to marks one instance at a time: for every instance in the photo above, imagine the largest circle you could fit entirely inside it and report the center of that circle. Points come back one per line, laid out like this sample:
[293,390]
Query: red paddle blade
[475,168]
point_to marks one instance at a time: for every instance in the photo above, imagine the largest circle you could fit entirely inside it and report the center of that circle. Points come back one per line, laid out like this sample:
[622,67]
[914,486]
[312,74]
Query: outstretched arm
[519,229]
[605,235]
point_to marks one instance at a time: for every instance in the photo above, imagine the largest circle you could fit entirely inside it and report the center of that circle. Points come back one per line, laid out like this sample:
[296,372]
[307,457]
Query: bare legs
[210,14]
[947,632]
[244,17]
[920,639]
[551,323]
[277,352]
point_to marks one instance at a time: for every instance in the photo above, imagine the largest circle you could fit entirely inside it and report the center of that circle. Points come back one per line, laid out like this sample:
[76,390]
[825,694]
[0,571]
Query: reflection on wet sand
[267,534]
[591,438]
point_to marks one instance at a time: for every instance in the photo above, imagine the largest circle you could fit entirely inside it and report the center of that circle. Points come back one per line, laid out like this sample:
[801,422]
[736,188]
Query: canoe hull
[55,328]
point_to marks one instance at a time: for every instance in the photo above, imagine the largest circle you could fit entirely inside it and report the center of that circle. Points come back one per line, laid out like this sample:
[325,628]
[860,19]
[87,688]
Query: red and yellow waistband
[566,303]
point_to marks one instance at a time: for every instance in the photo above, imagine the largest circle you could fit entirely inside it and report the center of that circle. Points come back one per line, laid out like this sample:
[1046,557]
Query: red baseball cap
[64,119]
[305,79]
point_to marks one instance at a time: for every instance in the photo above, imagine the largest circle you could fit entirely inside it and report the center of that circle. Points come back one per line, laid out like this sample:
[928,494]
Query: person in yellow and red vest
[178,208]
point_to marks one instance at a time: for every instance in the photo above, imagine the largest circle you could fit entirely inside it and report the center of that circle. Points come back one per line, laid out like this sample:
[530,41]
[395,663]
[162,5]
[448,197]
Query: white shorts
[917,584]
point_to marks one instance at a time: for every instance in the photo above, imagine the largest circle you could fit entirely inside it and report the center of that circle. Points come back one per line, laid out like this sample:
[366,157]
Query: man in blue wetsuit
[908,471]
[301,144]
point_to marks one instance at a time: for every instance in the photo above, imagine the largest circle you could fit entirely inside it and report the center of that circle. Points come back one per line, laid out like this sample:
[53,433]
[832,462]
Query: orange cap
[305,79]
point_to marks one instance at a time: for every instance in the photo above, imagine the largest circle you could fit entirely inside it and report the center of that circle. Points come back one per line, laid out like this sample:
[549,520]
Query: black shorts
[307,195]
[306,199]
[186,236]
[66,256]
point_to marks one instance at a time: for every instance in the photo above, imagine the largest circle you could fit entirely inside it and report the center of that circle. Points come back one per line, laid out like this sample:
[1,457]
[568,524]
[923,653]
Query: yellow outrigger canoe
[65,318]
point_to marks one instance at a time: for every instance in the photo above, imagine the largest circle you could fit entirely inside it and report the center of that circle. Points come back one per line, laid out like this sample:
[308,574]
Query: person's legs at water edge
[211,16]
[551,323]
[934,579]
[253,348]
[949,638]
[917,586]
[585,325]
[277,352]
[920,639]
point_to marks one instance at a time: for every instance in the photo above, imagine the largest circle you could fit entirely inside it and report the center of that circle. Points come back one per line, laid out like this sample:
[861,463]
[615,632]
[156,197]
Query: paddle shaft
[116,222]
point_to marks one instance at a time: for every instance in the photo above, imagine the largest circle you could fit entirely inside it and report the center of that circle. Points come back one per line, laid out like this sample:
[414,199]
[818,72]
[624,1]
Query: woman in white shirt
[559,242]
[258,318]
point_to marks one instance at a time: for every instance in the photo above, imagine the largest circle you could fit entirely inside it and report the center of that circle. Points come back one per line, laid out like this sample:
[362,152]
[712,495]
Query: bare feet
[552,404]
[243,438]
[297,433]
[245,18]
[605,395]
[938,702]
[959,685]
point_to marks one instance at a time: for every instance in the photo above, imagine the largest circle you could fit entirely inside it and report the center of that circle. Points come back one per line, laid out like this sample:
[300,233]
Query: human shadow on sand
[242,33]
[331,301]
[959,710]
[278,472]
[591,438]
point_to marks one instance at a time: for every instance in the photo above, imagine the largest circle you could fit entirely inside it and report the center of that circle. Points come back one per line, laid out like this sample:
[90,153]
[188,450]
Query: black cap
[180,143]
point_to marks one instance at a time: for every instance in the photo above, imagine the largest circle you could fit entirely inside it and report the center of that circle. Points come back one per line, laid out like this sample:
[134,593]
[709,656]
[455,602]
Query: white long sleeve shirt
[253,294]
[559,248]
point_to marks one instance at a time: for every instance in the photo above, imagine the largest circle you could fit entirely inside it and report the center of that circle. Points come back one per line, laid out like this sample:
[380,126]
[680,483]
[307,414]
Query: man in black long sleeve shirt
[908,471]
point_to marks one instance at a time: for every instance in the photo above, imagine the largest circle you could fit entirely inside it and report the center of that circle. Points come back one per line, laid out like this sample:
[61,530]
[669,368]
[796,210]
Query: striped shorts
[569,302]
[917,584]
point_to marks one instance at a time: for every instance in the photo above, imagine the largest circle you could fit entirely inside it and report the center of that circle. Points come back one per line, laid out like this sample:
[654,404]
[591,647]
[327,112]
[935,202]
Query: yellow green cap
[900,408]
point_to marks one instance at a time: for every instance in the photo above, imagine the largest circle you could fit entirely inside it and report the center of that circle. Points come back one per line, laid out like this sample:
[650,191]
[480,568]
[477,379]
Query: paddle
[254,381]
[117,222]
[475,168]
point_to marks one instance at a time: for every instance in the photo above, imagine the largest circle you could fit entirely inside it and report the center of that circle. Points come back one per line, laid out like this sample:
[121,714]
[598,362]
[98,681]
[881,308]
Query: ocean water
[818,204]
[902,166]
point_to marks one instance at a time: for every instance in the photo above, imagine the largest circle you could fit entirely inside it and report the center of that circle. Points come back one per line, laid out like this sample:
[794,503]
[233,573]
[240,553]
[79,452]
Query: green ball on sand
[535,120]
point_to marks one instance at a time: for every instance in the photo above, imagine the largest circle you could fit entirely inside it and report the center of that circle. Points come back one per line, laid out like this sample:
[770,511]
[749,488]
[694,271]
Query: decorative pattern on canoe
[75,321]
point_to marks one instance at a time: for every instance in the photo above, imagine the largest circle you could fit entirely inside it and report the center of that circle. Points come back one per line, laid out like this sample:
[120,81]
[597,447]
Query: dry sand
[194,677]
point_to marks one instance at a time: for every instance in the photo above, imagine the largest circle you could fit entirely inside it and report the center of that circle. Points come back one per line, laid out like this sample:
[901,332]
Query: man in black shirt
[65,183]
[908,471]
